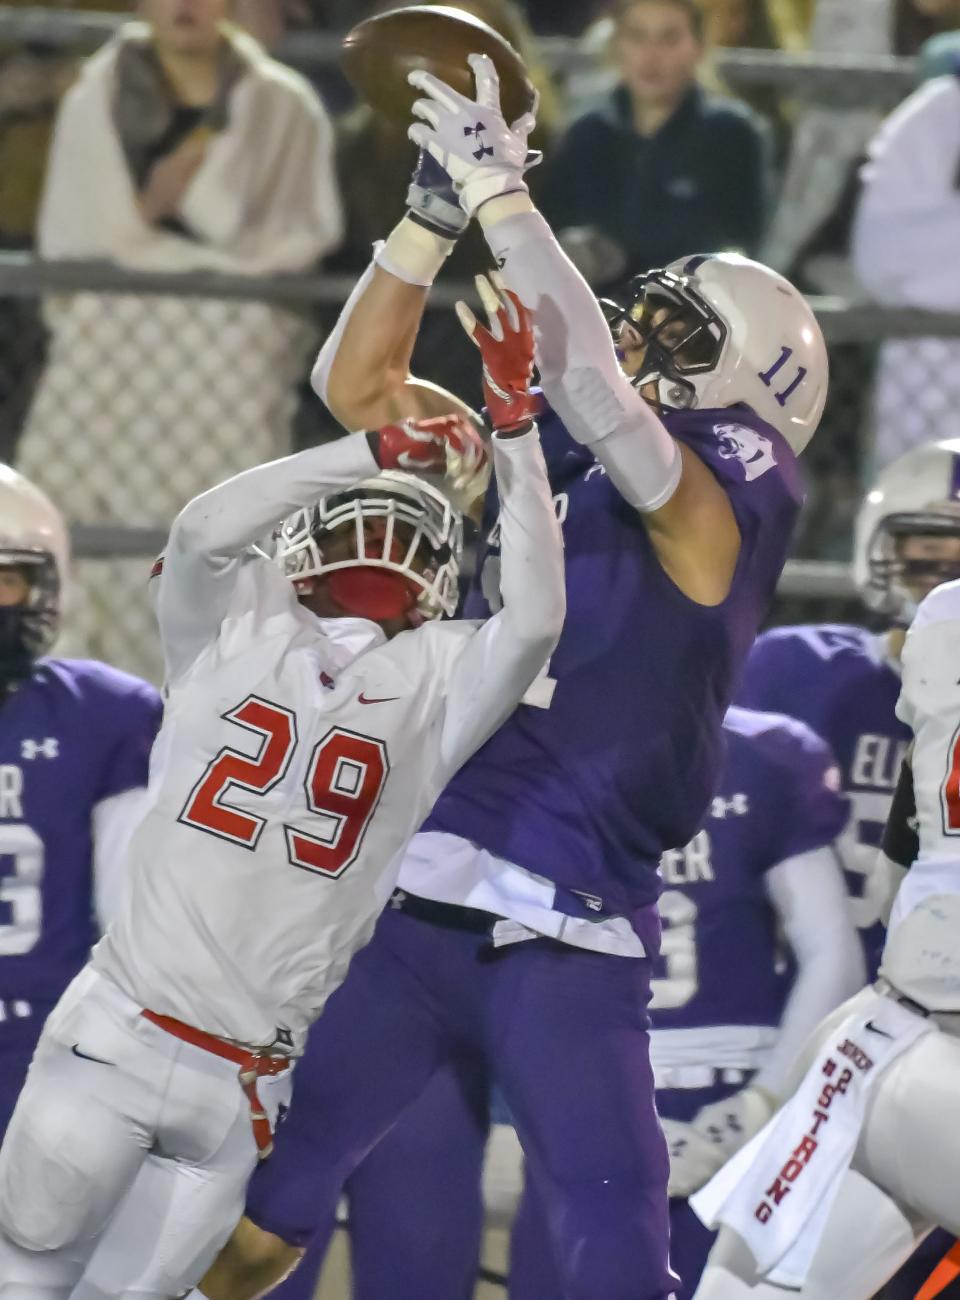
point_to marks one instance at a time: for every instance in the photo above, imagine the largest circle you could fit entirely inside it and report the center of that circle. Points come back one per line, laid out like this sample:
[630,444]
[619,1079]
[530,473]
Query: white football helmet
[426,548]
[917,495]
[733,332]
[33,537]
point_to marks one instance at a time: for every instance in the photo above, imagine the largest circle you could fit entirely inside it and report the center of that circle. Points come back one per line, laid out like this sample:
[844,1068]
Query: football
[378,55]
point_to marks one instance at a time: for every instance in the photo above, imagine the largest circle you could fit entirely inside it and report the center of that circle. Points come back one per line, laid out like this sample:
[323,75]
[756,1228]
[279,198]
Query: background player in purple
[758,947]
[75,737]
[844,682]
[527,926]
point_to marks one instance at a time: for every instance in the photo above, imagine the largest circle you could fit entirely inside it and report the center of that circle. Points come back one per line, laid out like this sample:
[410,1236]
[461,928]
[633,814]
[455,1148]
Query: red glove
[507,351]
[427,446]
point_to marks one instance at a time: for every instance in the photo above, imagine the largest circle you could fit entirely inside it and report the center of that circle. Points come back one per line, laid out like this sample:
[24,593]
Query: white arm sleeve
[211,534]
[810,898]
[511,648]
[114,821]
[578,365]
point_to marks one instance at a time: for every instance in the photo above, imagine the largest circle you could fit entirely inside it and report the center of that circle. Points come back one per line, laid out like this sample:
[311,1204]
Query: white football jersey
[298,756]
[922,954]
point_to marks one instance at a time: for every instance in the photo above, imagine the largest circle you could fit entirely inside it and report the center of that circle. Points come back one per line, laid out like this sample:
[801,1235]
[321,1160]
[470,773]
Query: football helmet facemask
[915,497]
[717,331]
[390,547]
[33,540]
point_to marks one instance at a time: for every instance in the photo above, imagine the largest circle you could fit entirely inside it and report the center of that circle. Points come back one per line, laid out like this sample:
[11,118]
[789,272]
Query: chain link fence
[123,395]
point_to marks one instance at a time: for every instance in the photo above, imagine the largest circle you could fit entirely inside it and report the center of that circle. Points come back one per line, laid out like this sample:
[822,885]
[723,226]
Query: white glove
[693,1160]
[483,156]
[729,1125]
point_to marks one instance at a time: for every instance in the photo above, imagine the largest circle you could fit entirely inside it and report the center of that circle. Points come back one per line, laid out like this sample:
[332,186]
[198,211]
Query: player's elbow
[358,398]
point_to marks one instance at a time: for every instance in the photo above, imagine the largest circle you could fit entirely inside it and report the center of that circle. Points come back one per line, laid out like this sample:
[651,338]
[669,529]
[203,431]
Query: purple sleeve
[812,810]
[762,677]
[134,719]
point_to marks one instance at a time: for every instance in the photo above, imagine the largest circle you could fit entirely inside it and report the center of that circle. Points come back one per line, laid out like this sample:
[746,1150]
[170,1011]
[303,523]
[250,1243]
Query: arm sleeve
[579,370]
[210,536]
[114,821]
[810,898]
[510,649]
[901,841]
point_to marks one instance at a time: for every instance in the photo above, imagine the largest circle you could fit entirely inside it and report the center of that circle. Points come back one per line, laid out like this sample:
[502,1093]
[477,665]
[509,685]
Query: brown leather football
[380,52]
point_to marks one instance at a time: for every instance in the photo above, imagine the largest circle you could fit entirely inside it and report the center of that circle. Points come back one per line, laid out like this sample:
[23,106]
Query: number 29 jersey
[296,758]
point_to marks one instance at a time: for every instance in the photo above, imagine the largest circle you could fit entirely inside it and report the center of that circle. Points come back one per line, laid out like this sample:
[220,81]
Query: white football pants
[903,1183]
[124,1167]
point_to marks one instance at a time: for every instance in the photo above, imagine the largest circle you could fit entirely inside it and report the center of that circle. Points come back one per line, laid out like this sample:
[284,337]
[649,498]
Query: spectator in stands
[906,249]
[182,147]
[661,168]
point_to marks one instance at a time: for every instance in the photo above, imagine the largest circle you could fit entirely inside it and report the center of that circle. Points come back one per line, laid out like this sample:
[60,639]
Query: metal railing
[873,79]
[124,394]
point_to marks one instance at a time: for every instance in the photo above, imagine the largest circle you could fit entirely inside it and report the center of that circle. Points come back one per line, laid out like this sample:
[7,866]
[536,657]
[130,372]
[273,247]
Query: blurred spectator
[182,147]
[660,169]
[906,249]
[562,17]
[811,221]
[32,80]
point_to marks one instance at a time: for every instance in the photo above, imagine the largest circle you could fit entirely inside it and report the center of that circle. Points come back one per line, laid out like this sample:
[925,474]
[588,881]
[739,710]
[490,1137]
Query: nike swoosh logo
[84,1057]
[874,1030]
[363,699]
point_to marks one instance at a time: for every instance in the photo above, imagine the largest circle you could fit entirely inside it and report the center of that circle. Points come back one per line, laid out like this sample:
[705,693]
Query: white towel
[778,1191]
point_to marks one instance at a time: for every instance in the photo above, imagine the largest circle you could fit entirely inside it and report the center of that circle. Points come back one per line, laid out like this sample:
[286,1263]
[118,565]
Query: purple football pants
[561,1031]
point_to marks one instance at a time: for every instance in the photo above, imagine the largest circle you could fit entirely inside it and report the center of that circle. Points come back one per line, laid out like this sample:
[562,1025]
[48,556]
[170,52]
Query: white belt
[679,1077]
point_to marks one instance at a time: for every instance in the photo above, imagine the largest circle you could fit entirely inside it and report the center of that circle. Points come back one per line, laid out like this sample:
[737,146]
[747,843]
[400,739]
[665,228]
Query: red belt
[253,1066]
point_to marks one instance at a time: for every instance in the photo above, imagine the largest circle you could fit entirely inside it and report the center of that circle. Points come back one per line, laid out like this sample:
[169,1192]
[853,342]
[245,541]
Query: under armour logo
[739,806]
[46,748]
[482,150]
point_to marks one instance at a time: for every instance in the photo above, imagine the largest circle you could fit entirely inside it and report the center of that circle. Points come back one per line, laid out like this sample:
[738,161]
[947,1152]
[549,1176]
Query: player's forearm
[512,647]
[578,365]
[810,898]
[362,371]
[227,519]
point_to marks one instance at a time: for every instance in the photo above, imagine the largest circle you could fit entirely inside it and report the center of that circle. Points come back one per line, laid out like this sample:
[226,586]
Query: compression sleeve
[578,365]
[212,533]
[511,648]
[901,841]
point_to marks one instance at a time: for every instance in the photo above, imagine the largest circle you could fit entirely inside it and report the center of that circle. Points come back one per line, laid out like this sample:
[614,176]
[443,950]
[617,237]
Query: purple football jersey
[75,733]
[623,761]
[838,680]
[779,796]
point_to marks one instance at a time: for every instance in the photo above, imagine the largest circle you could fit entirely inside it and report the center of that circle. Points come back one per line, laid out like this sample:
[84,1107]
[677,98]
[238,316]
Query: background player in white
[301,748]
[75,739]
[891,1156]
[843,680]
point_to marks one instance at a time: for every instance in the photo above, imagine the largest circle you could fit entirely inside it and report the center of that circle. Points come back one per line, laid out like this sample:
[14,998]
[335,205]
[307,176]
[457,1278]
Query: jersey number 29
[345,778]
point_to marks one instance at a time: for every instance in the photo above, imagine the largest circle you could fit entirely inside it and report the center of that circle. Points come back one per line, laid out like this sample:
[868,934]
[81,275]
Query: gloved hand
[445,444]
[507,351]
[470,139]
[729,1125]
[432,199]
[693,1160]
